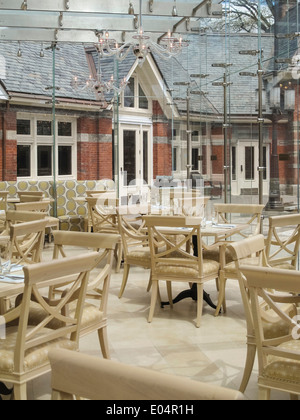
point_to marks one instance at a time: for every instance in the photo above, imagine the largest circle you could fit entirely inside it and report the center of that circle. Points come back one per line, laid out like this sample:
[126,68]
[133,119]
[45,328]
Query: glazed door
[135,155]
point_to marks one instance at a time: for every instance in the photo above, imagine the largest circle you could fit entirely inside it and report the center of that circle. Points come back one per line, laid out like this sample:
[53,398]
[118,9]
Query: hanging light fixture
[98,85]
[141,45]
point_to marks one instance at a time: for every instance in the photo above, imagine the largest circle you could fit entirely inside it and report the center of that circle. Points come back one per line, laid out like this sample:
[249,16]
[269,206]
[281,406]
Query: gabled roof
[32,74]
[3,93]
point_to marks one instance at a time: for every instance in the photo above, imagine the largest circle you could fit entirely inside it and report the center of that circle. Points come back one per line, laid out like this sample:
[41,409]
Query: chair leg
[222,300]
[102,334]
[199,304]
[150,282]
[119,256]
[154,295]
[169,290]
[264,394]
[251,353]
[20,392]
[125,278]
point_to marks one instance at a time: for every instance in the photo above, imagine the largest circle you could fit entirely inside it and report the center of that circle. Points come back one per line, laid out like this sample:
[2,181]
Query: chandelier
[141,45]
[98,85]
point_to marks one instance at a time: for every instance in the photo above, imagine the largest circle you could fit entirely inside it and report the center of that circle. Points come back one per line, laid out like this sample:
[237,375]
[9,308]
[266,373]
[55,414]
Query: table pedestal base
[4,390]
[192,293]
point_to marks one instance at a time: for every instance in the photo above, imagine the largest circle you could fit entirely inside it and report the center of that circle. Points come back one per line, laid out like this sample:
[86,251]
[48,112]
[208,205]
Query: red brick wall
[94,151]
[8,152]
[162,149]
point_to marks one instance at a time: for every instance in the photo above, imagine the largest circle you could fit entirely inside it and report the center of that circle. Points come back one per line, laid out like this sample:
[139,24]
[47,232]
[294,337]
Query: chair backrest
[105,244]
[102,213]
[96,379]
[31,193]
[40,276]
[251,215]
[259,280]
[132,230]
[191,206]
[14,217]
[282,244]
[166,253]
[254,245]
[3,200]
[41,206]
[95,192]
[26,242]
[30,196]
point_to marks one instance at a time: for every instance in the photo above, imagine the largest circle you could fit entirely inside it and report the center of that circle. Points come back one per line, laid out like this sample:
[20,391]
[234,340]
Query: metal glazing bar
[158,8]
[72,21]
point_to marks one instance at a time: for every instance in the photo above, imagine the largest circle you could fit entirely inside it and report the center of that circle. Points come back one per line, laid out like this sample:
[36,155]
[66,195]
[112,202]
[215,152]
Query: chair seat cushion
[142,253]
[91,315]
[186,271]
[282,369]
[282,266]
[214,254]
[254,261]
[34,357]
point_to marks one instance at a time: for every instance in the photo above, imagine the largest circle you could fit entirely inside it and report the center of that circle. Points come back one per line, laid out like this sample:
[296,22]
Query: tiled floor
[215,353]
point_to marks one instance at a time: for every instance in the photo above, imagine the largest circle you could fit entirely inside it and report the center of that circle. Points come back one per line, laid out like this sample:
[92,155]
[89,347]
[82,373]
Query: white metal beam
[54,20]
[206,8]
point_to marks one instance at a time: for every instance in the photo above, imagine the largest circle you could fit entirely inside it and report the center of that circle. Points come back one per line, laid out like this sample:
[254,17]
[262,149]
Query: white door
[247,168]
[135,158]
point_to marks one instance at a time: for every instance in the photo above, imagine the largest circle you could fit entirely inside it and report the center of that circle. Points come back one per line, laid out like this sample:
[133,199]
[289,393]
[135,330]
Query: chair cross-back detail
[24,352]
[282,244]
[135,246]
[27,241]
[278,356]
[223,211]
[102,213]
[174,262]
[94,316]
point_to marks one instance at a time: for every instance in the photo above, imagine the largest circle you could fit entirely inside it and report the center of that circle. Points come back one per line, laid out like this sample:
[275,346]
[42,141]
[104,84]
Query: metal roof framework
[78,21]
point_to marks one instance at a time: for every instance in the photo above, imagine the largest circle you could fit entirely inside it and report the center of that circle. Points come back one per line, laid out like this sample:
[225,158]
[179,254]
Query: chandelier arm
[122,54]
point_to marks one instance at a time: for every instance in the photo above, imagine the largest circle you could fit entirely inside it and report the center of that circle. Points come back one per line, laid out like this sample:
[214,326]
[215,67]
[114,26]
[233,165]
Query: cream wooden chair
[75,374]
[92,194]
[30,196]
[40,207]
[102,213]
[223,215]
[256,257]
[242,253]
[94,315]
[282,244]
[191,206]
[24,352]
[3,208]
[14,217]
[27,241]
[278,356]
[225,212]
[136,251]
[172,263]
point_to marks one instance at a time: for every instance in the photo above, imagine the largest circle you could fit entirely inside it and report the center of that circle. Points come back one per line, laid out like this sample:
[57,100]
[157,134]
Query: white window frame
[137,83]
[34,141]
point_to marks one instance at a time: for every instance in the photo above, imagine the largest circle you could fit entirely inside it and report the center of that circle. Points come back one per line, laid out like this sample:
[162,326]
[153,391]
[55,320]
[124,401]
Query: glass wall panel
[225,111]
